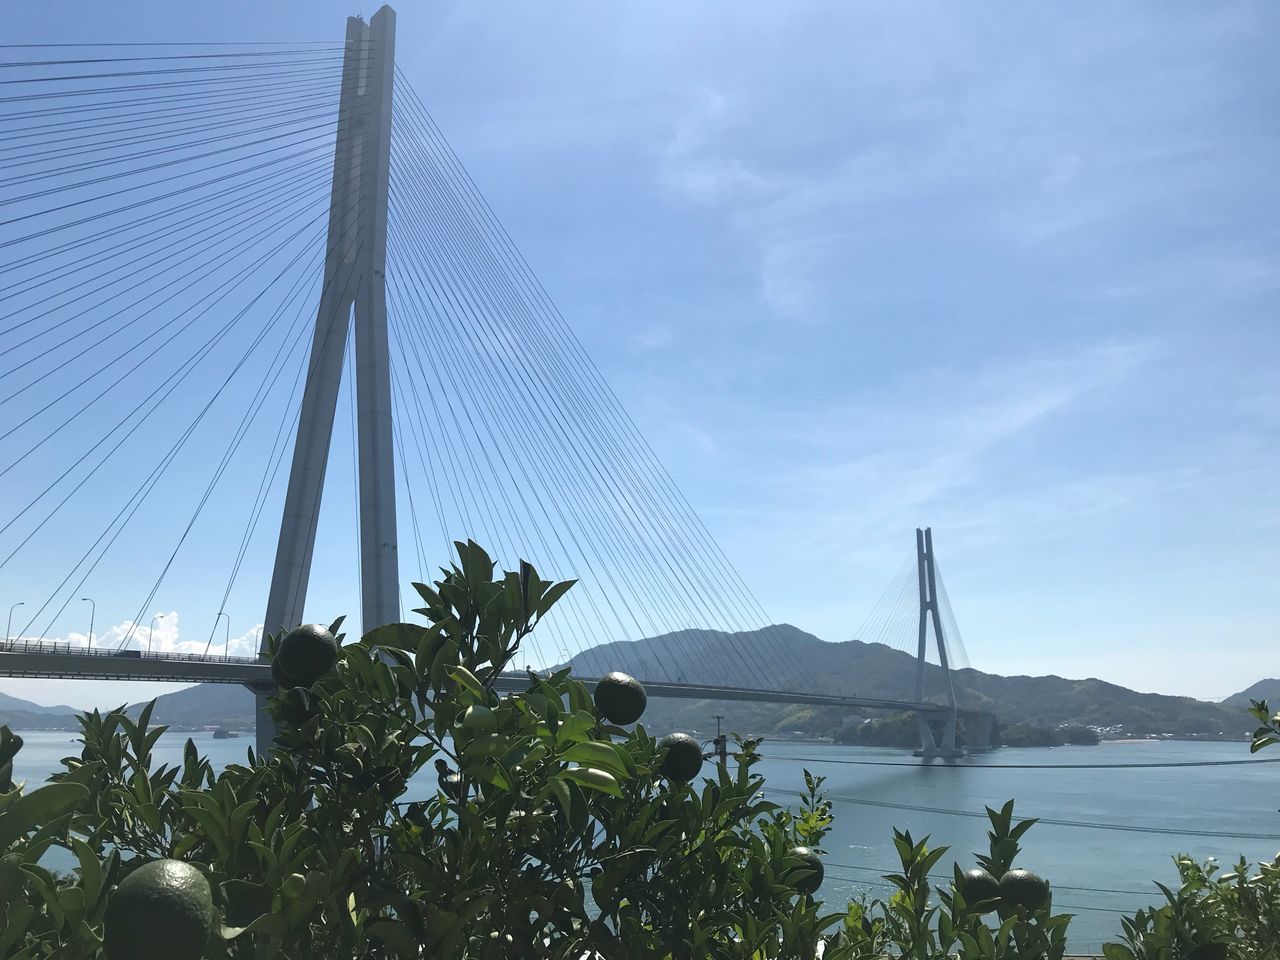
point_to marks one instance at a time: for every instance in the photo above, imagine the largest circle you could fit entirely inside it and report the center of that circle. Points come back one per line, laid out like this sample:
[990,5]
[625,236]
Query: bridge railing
[60,648]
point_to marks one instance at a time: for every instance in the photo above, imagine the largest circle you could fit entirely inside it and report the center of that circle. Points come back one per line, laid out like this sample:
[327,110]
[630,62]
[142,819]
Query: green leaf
[91,876]
[592,779]
[467,680]
[396,636]
[395,935]
[39,807]
[427,594]
[553,593]
[560,790]
[602,756]
[1114,951]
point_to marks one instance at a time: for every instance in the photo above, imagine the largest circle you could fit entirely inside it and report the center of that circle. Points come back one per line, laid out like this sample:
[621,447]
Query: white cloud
[696,164]
[165,638]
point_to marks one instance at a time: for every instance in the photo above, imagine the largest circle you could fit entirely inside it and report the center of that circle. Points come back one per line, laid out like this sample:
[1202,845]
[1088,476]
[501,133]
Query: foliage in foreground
[554,833]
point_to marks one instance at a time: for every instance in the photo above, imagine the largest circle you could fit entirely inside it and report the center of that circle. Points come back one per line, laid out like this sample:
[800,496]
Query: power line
[881,871]
[1084,824]
[1037,766]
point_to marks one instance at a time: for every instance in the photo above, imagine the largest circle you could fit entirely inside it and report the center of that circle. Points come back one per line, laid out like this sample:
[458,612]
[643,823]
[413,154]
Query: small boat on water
[222,733]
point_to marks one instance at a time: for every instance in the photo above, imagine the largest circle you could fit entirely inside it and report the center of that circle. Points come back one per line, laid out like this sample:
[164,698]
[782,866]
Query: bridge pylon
[931,746]
[354,278]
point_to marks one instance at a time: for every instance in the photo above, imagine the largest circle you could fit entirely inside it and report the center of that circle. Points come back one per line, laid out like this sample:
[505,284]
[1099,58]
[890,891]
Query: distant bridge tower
[354,276]
[929,745]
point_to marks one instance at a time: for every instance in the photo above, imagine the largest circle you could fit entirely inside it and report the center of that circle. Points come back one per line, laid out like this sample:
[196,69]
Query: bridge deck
[68,662]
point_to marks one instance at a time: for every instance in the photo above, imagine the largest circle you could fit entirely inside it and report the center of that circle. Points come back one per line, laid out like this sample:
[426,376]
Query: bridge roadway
[73,662]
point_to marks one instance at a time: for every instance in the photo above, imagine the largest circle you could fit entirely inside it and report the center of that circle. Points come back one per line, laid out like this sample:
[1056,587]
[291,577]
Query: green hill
[1268,690]
[785,657]
[205,705]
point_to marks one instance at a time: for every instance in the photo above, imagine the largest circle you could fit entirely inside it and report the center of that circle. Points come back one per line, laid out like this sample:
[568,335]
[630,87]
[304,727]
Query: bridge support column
[928,583]
[979,729]
[354,275]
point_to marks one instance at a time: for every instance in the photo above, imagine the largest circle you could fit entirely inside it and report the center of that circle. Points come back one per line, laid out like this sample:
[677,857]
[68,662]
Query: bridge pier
[978,730]
[944,746]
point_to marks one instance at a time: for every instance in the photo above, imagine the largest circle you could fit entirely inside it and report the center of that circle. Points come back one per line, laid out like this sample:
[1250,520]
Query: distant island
[1033,711]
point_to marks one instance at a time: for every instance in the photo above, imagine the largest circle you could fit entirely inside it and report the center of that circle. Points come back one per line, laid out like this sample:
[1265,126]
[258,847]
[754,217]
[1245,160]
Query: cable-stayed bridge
[235,272]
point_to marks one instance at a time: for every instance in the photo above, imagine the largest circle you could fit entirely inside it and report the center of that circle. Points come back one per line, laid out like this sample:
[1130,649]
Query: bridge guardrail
[51,648]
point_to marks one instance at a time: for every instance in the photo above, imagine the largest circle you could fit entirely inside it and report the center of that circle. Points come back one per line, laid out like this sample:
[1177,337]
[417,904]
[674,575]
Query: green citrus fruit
[682,758]
[620,698]
[808,877]
[161,911]
[307,653]
[1025,889]
[477,720]
[282,679]
[979,886]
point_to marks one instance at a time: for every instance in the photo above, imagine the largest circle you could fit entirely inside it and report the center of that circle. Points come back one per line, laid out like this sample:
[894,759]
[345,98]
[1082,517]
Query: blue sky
[1005,270]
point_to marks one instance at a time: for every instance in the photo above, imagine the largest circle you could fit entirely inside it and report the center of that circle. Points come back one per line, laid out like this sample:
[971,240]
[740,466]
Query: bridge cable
[149,483]
[232,219]
[505,307]
[255,407]
[429,354]
[189,364]
[507,249]
[195,252]
[492,296]
[221,261]
[537,451]
[477,378]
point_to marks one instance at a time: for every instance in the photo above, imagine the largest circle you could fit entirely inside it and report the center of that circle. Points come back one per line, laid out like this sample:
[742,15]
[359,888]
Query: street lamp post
[151,633]
[93,611]
[9,626]
[227,650]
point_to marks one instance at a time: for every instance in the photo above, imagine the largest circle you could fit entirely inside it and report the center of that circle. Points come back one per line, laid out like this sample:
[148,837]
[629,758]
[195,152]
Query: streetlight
[151,633]
[9,625]
[93,610]
[226,652]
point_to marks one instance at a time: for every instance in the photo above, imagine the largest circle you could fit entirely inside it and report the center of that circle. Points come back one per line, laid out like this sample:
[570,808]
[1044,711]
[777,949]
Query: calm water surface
[1079,861]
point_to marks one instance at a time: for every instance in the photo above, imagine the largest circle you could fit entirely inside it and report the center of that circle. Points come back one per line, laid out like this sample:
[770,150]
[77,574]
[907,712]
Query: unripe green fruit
[683,757]
[307,653]
[978,886]
[620,698]
[161,911]
[1024,888]
[807,878]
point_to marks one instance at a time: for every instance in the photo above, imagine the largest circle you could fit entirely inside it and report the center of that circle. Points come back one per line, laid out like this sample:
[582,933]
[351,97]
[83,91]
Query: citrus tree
[994,911]
[1211,914]
[552,829]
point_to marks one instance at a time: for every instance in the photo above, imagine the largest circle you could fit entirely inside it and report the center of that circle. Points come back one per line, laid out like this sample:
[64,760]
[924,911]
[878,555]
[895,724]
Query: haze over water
[1086,866]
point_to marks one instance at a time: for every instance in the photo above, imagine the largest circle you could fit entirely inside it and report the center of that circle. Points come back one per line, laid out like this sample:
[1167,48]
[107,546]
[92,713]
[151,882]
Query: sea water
[1129,819]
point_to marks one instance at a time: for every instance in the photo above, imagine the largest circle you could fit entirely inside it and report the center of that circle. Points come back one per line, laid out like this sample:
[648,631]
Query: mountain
[19,714]
[205,705]
[786,657]
[1268,690]
[8,703]
[783,657]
